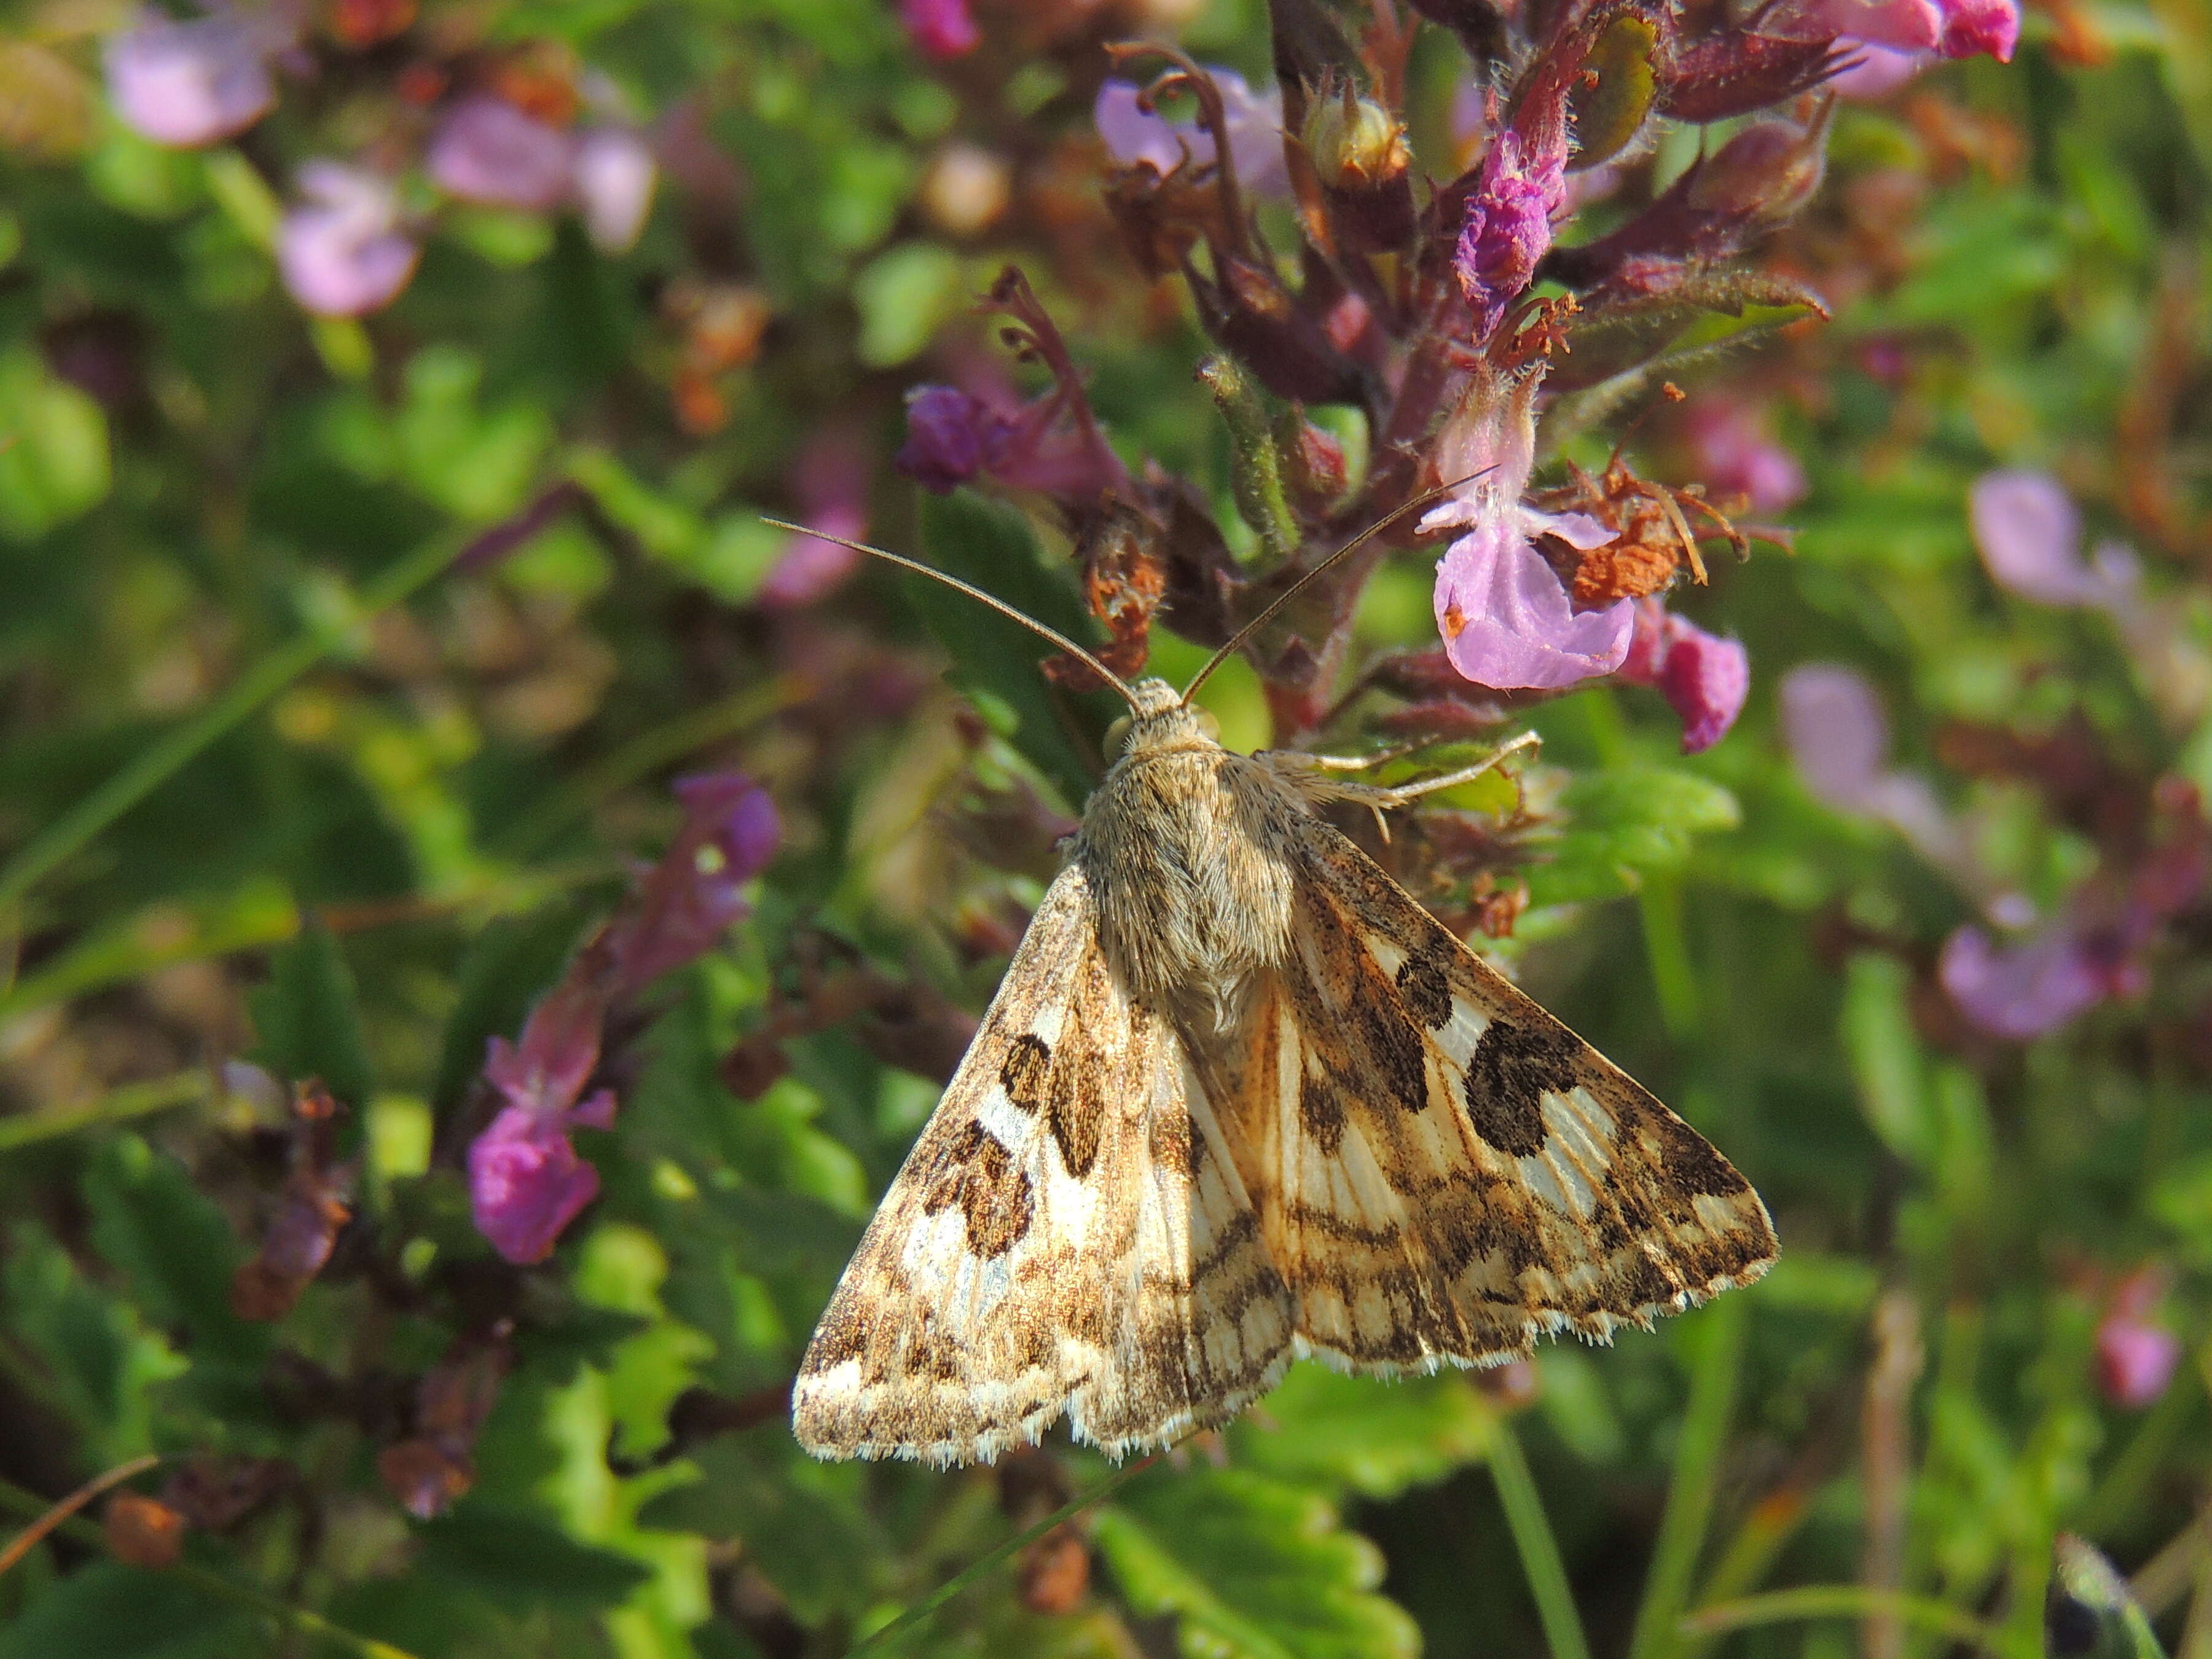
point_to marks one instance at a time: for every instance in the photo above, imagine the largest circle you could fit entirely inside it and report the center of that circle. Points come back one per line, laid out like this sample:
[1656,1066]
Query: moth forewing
[1238,1097]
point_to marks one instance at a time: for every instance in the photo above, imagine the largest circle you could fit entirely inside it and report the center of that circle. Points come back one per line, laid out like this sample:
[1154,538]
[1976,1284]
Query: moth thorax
[1193,894]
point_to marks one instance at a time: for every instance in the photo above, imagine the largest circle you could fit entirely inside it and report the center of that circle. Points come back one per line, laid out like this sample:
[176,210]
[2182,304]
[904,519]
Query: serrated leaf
[989,543]
[1251,1568]
[307,1019]
[1624,822]
[95,1359]
[1336,1433]
[173,1246]
[523,1561]
[109,1611]
[511,963]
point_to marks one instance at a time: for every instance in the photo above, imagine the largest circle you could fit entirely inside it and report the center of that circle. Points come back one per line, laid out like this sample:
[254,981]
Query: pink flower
[2029,534]
[1504,616]
[1735,455]
[1874,71]
[730,832]
[341,252]
[613,176]
[941,28]
[1508,230]
[1837,735]
[2135,1357]
[487,151]
[197,82]
[1705,679]
[1254,121]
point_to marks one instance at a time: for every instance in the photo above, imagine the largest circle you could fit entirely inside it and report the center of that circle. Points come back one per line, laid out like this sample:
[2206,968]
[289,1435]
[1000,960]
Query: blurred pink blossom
[194,82]
[1254,120]
[941,28]
[2021,991]
[830,480]
[487,151]
[341,251]
[2029,534]
[1735,454]
[1945,28]
[1505,616]
[2135,1357]
[614,178]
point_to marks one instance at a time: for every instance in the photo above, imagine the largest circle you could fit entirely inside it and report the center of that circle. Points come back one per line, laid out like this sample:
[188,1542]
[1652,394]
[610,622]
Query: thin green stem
[139,777]
[1841,1601]
[1540,1551]
[1696,1470]
[890,1635]
[1667,947]
[219,1588]
[132,1100]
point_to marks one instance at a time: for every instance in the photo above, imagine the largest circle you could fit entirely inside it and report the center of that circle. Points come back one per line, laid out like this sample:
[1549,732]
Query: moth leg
[1406,794]
[1355,763]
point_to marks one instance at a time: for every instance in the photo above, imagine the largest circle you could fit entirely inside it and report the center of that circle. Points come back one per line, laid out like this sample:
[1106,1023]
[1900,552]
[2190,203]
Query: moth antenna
[1411,504]
[1119,685]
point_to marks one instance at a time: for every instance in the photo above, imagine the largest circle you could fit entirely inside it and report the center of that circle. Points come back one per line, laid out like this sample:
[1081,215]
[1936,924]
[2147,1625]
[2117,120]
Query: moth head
[1159,715]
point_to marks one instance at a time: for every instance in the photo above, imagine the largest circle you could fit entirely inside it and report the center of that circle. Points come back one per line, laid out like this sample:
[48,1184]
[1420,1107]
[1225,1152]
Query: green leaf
[173,1246]
[93,1360]
[509,966]
[109,1611]
[1252,1569]
[522,1560]
[1337,1433]
[990,544]
[56,464]
[1626,821]
[306,1020]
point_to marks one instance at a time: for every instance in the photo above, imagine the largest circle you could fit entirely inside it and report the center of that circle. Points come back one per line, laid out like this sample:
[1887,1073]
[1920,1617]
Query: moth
[1239,1100]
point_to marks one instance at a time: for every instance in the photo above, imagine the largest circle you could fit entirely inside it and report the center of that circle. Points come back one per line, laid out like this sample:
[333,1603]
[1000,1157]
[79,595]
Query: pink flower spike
[940,29]
[488,152]
[1505,619]
[526,1181]
[340,252]
[194,83]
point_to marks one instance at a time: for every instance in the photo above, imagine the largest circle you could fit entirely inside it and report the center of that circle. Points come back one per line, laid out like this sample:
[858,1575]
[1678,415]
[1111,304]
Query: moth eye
[1207,723]
[1116,735]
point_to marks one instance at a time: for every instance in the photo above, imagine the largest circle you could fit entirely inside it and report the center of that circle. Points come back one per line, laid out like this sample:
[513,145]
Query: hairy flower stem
[1257,469]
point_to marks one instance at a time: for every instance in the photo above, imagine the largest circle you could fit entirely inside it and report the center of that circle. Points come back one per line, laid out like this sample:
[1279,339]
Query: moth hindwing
[1240,1099]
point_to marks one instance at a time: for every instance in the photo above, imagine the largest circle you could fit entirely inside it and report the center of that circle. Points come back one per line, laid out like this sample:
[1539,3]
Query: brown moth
[1240,1099]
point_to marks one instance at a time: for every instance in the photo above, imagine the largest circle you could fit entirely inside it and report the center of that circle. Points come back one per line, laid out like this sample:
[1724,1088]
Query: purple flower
[2021,991]
[1508,230]
[2135,1357]
[729,833]
[1505,618]
[340,252]
[613,176]
[948,435]
[1834,724]
[941,28]
[2029,534]
[1254,120]
[1735,455]
[1923,30]
[526,1181]
[1874,71]
[1704,678]
[831,479]
[487,151]
[192,83]
[1973,27]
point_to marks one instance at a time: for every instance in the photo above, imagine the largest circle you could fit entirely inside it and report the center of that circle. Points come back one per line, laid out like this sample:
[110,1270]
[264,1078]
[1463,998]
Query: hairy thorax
[1185,847]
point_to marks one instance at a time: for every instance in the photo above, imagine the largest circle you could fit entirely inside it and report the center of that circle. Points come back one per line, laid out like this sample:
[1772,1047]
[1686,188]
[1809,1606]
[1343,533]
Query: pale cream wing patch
[1069,1232]
[1443,1171]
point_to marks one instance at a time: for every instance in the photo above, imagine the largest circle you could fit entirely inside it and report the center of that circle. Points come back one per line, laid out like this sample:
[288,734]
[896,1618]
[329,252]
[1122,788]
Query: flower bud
[1359,152]
[1764,175]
